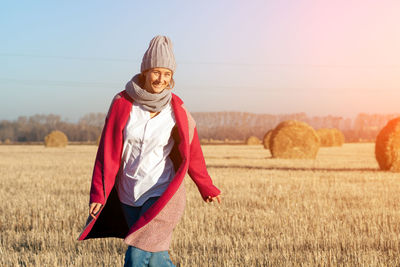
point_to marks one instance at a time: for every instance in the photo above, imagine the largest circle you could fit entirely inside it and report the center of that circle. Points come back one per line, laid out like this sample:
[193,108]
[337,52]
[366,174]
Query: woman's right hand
[94,209]
[214,199]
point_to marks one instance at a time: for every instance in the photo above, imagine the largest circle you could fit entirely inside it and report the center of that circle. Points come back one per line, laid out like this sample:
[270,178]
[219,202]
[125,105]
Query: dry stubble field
[336,210]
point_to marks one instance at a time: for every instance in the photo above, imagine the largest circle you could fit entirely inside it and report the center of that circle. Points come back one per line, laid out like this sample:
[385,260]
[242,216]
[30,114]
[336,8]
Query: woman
[149,142]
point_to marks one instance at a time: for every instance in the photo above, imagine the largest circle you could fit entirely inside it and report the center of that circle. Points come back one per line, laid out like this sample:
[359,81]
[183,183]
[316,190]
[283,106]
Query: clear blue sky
[320,57]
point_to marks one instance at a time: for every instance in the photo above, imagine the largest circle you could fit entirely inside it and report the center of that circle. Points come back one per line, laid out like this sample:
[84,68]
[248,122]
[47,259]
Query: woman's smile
[157,79]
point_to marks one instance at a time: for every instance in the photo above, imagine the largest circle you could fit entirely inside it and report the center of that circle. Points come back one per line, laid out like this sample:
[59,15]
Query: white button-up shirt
[147,168]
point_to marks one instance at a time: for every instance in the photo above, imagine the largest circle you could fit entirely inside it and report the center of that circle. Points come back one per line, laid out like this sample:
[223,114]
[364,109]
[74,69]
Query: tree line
[36,127]
[210,125]
[240,125]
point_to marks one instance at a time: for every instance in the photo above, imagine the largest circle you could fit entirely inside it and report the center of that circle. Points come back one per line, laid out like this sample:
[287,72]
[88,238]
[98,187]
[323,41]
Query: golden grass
[336,210]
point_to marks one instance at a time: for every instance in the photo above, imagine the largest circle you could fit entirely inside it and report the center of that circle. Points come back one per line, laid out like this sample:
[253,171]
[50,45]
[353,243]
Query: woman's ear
[171,83]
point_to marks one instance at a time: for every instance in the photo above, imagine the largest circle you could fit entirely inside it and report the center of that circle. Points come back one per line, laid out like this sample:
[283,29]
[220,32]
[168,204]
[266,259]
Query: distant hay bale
[387,146]
[253,140]
[294,140]
[266,139]
[98,140]
[56,139]
[330,137]
[339,137]
[7,141]
[326,137]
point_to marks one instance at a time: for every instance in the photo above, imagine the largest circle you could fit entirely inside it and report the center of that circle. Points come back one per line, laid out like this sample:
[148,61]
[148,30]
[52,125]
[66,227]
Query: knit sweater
[153,230]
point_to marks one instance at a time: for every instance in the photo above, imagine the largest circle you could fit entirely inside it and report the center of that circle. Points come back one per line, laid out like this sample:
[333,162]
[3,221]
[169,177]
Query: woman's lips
[158,85]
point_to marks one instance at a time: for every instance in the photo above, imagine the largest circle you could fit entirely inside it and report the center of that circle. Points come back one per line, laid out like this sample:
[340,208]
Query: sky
[70,58]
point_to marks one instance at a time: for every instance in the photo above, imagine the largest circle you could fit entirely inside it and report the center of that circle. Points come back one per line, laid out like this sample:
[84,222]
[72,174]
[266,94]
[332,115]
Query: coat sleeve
[97,187]
[198,171]
[108,156]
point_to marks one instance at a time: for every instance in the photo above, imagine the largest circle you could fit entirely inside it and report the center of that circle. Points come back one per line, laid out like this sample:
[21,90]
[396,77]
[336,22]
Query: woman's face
[157,79]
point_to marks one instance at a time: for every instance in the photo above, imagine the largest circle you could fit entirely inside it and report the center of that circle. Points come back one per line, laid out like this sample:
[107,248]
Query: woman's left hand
[212,199]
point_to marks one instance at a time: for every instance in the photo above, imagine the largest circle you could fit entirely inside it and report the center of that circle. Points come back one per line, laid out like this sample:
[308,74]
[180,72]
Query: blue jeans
[136,257]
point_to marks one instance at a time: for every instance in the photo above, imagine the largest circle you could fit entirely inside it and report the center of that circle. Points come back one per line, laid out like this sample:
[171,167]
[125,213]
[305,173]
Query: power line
[61,83]
[286,65]
[272,89]
[239,64]
[70,57]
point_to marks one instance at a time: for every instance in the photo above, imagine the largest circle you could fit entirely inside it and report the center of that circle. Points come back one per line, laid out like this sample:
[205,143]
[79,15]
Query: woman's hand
[94,209]
[212,199]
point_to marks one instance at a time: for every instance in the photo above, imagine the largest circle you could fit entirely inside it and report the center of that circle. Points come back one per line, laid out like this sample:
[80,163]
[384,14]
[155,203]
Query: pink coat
[153,230]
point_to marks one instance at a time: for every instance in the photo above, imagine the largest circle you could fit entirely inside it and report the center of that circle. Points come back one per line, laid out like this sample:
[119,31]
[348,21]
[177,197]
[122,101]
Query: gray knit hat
[159,54]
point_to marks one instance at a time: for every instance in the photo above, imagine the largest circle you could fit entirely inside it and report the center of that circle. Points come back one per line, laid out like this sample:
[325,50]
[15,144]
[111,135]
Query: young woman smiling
[149,142]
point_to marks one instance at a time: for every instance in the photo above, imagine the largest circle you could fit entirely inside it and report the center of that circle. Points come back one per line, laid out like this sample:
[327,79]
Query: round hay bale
[294,140]
[56,139]
[387,146]
[98,140]
[339,137]
[266,139]
[326,137]
[7,141]
[253,140]
[330,137]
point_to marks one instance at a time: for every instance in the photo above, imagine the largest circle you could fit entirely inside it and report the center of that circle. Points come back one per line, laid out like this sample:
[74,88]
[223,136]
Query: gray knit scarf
[150,102]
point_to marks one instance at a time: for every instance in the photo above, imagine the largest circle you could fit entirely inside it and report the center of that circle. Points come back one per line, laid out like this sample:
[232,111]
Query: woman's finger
[94,208]
[212,199]
[91,207]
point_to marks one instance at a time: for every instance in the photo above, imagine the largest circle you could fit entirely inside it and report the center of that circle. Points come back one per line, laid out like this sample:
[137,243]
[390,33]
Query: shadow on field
[248,167]
[236,157]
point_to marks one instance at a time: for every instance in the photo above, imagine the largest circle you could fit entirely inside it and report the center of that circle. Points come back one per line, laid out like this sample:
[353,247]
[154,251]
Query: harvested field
[338,209]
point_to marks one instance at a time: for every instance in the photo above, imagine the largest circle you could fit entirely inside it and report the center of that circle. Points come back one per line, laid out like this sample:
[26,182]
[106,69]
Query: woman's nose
[162,78]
